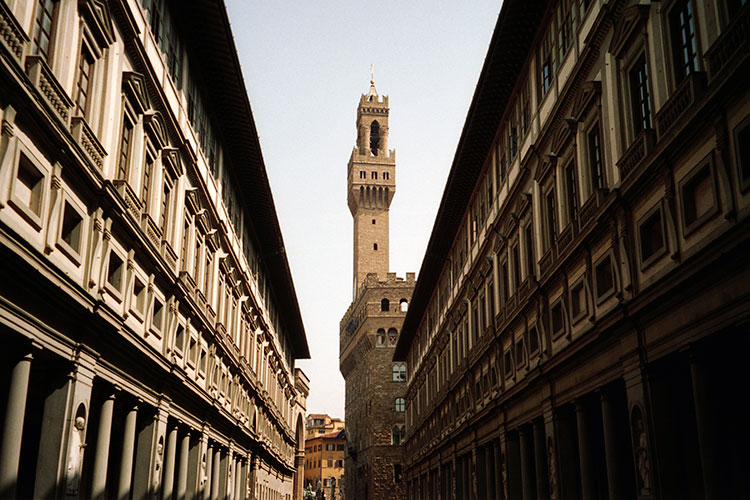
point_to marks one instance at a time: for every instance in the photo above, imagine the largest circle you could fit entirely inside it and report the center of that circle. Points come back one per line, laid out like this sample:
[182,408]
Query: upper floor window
[44,21]
[571,185]
[374,137]
[550,213]
[400,405]
[84,79]
[682,38]
[380,338]
[639,95]
[596,166]
[384,305]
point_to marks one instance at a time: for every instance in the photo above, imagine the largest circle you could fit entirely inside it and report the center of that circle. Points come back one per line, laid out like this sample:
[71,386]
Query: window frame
[75,255]
[707,162]
[578,284]
[659,253]
[605,294]
[35,219]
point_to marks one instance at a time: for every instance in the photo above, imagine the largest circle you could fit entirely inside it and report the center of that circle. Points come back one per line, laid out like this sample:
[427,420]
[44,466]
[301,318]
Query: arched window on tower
[374,137]
[392,337]
[404,305]
[380,338]
[384,304]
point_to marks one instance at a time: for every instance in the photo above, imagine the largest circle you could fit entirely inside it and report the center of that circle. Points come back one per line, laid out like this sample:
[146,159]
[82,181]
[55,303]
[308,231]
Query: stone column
[540,462]
[489,481]
[99,476]
[169,464]
[128,449]
[588,485]
[206,489]
[467,477]
[527,467]
[238,479]
[216,474]
[182,477]
[614,483]
[497,470]
[706,427]
[10,453]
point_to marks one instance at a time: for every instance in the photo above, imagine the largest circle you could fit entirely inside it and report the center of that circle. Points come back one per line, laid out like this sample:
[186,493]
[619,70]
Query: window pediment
[589,94]
[134,87]
[99,21]
[171,161]
[631,21]
[157,128]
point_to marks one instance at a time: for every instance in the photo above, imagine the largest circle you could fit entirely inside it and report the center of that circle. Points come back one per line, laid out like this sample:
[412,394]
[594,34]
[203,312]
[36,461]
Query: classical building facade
[369,331]
[324,463]
[580,324]
[148,316]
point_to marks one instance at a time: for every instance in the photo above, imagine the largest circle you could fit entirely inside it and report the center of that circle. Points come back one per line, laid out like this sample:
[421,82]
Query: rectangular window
[28,189]
[139,296]
[157,316]
[604,280]
[551,217]
[742,157]
[651,236]
[179,338]
[577,301]
[71,227]
[596,166]
[45,16]
[126,139]
[533,341]
[572,191]
[682,35]
[557,319]
[516,266]
[520,353]
[504,278]
[165,202]
[698,197]
[83,84]
[147,171]
[115,271]
[639,96]
[530,258]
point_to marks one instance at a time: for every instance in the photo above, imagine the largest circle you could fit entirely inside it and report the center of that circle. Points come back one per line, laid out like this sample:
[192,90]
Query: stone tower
[371,185]
[369,330]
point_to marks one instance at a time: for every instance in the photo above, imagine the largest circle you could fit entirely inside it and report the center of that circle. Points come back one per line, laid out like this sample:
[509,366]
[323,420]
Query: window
[392,337]
[380,338]
[550,217]
[374,175]
[400,405]
[374,246]
[698,195]
[165,205]
[682,38]
[43,24]
[83,82]
[651,236]
[362,174]
[157,316]
[373,221]
[71,228]
[578,306]
[530,259]
[516,266]
[374,138]
[179,338]
[557,318]
[571,185]
[115,271]
[28,190]
[330,447]
[604,280]
[504,279]
[397,434]
[139,296]
[403,305]
[596,167]
[148,167]
[639,95]
[533,341]
[386,175]
[742,156]
[384,305]
[126,140]
[396,473]
[520,353]
[508,363]
[193,351]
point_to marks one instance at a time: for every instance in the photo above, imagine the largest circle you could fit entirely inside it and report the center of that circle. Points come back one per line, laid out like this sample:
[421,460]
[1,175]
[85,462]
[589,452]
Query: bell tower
[371,183]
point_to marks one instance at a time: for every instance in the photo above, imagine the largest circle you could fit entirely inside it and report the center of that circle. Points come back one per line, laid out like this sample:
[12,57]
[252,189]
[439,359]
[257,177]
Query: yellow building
[324,463]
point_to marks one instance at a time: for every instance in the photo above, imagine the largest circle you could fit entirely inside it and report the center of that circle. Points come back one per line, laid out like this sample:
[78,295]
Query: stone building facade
[148,316]
[369,331]
[324,463]
[580,323]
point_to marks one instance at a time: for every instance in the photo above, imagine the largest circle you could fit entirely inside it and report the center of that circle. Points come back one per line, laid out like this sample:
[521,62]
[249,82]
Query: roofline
[510,45]
[212,42]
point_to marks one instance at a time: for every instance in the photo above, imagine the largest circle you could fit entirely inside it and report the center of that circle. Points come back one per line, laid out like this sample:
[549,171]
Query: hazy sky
[305,64]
